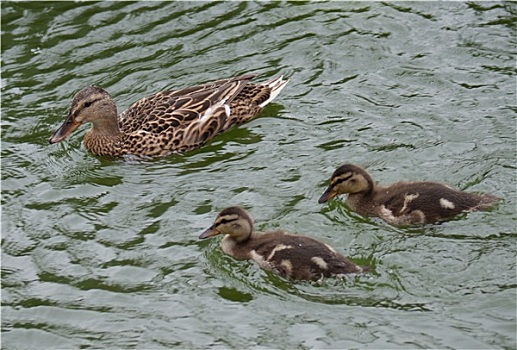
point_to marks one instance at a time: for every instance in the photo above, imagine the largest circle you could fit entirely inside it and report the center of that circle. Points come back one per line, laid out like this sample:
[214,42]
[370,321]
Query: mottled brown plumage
[168,121]
[402,203]
[290,255]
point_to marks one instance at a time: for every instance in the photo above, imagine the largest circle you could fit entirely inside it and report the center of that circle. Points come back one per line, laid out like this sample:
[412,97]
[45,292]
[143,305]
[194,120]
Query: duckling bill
[289,255]
[168,121]
[402,203]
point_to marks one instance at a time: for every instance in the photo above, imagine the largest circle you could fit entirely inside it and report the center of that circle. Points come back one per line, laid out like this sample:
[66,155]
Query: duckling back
[410,203]
[292,256]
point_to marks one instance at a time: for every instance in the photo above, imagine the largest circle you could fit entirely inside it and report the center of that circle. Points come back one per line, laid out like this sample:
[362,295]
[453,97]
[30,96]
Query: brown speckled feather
[168,121]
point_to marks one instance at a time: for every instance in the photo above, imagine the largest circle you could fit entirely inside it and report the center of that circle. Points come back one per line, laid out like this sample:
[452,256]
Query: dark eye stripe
[342,179]
[89,103]
[225,221]
[85,105]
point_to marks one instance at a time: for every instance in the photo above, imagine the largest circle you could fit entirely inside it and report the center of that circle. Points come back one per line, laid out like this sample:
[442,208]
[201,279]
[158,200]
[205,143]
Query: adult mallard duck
[293,256]
[168,121]
[402,203]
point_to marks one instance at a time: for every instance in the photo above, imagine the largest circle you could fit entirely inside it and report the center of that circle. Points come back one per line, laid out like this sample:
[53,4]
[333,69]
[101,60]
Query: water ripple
[410,90]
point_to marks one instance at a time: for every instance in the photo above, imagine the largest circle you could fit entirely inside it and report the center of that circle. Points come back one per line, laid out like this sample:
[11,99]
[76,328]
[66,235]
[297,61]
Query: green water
[100,253]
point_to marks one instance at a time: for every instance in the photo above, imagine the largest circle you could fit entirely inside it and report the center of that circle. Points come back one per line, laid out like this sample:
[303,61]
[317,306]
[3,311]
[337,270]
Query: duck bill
[327,195]
[64,130]
[210,232]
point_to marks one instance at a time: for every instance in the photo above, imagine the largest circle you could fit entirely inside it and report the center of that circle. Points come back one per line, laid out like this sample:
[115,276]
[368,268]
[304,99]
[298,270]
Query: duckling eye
[87,104]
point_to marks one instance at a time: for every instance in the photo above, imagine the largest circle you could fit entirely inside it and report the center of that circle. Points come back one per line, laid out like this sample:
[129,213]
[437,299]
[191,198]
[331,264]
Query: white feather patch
[287,265]
[206,115]
[408,199]
[330,248]
[447,204]
[387,214]
[257,257]
[276,86]
[209,111]
[320,262]
[277,248]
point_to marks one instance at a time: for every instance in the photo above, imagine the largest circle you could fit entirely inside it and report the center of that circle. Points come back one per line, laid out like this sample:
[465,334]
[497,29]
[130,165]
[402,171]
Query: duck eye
[87,104]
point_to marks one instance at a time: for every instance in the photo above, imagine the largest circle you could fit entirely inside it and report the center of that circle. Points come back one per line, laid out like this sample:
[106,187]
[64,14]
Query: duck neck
[106,127]
[362,201]
[103,139]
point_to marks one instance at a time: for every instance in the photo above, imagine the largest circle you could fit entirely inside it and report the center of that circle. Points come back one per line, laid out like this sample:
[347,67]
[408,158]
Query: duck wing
[177,121]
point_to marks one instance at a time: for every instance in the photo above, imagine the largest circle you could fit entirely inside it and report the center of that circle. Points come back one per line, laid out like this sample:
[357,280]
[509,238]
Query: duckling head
[232,221]
[91,104]
[348,178]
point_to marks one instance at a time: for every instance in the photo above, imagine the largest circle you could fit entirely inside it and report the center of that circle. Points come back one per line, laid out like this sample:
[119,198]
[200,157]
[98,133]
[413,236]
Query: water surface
[102,253]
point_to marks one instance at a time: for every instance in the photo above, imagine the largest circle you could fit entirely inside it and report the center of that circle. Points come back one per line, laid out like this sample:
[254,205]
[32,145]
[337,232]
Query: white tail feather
[276,85]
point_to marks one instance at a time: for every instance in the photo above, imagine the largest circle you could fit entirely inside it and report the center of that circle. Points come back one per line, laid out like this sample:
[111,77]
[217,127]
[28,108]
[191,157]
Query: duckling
[402,203]
[289,255]
[168,121]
